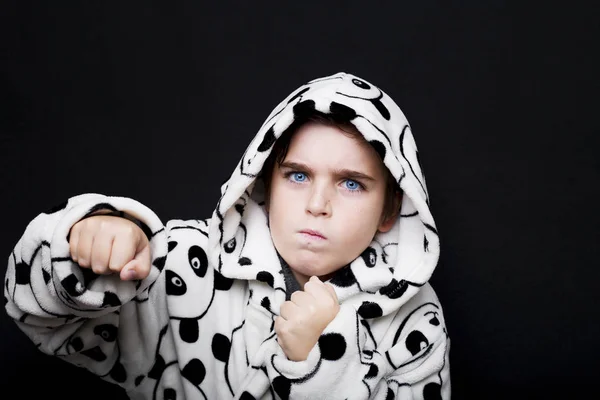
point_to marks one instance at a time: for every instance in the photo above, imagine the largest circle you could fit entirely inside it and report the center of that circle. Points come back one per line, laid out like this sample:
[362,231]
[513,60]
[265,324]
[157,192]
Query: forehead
[329,145]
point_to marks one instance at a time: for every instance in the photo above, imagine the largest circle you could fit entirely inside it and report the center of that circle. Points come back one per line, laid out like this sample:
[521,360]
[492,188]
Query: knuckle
[73,233]
[127,227]
[99,270]
[115,267]
[125,243]
[89,223]
[103,224]
[87,227]
[283,330]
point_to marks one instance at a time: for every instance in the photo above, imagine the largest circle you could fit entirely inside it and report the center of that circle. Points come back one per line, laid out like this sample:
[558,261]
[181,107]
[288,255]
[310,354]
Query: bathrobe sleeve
[106,325]
[400,356]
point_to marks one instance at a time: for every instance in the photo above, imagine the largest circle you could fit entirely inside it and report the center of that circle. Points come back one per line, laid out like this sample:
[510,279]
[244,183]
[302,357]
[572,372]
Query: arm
[401,356]
[98,322]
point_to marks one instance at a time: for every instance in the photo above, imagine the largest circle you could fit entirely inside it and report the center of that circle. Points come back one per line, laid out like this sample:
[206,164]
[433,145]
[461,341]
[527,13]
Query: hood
[396,264]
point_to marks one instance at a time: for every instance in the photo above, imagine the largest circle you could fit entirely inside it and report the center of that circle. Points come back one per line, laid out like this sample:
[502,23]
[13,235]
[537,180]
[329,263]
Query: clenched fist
[110,244]
[304,318]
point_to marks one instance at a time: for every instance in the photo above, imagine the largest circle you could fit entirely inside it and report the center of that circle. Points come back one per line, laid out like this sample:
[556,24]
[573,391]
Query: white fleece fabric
[201,326]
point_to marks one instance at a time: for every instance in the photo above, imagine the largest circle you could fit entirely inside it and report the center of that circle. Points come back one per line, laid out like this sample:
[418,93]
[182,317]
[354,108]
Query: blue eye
[298,177]
[351,185]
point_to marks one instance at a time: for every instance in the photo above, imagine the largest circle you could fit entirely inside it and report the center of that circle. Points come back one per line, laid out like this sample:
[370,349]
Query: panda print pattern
[202,324]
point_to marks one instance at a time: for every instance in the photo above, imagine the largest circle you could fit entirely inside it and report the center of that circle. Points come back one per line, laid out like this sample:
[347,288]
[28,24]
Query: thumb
[139,267]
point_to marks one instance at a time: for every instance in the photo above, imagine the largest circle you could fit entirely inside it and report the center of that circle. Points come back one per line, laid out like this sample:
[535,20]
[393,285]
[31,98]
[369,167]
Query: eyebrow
[348,173]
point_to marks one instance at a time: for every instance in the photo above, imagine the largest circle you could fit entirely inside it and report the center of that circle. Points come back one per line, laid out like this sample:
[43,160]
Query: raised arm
[97,321]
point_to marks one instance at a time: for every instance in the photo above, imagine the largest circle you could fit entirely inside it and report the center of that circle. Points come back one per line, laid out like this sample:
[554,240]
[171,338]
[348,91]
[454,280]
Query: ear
[388,223]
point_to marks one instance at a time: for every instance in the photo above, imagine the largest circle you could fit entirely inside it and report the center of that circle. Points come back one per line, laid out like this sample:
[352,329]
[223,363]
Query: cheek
[358,222]
[286,200]
[279,202]
[276,228]
[281,211]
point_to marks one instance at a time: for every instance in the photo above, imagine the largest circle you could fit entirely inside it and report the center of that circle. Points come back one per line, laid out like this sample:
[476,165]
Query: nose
[319,203]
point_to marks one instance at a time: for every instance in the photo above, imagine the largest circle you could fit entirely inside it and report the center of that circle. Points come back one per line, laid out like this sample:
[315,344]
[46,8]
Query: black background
[157,101]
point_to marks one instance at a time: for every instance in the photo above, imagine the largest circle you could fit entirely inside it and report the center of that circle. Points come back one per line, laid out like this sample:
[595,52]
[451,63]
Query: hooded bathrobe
[201,326]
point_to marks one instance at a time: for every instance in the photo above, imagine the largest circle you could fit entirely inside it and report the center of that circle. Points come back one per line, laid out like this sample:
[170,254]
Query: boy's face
[326,201]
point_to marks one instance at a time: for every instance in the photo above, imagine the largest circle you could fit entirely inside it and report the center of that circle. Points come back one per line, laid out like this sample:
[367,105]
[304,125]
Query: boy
[309,281]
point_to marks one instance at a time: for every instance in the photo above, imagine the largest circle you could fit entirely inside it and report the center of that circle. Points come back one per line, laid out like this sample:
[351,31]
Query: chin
[307,259]
[310,266]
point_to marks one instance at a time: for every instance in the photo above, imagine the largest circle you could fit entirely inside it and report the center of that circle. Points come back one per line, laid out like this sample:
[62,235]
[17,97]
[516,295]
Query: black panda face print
[234,241]
[233,248]
[185,251]
[416,334]
[363,90]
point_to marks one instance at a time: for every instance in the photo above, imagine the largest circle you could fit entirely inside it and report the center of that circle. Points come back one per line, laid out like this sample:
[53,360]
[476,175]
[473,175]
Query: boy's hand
[304,318]
[109,244]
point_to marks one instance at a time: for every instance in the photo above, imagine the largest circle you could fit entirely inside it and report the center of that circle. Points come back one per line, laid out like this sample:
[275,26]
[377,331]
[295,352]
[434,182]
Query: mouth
[313,234]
